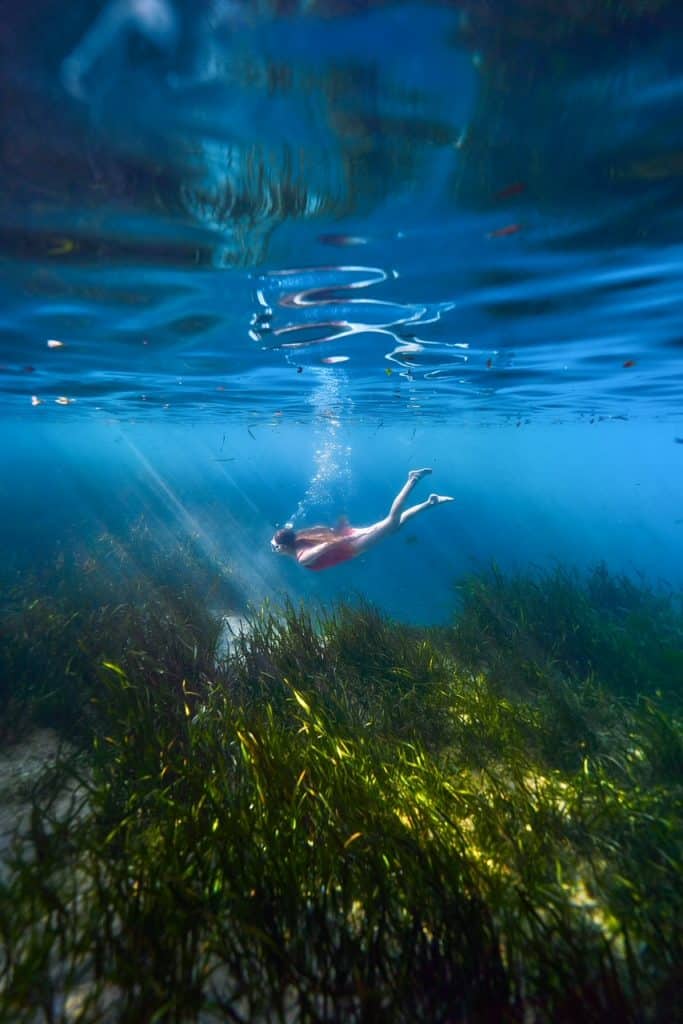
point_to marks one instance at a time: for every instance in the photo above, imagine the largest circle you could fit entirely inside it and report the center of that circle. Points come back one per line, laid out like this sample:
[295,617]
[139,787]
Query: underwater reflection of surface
[164,167]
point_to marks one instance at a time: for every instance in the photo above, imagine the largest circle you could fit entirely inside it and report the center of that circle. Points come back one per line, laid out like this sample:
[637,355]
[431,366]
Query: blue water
[290,252]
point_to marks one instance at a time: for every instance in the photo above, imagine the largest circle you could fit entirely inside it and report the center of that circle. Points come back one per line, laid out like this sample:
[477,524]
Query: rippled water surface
[457,213]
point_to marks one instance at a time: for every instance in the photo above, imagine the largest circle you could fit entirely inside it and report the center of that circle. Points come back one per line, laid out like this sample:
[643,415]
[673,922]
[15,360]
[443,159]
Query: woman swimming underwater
[321,547]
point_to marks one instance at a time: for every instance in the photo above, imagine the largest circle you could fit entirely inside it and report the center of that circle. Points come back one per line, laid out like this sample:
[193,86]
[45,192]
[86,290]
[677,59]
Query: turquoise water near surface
[527,499]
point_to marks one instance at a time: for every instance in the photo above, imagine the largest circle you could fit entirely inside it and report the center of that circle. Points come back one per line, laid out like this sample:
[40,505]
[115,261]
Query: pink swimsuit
[335,555]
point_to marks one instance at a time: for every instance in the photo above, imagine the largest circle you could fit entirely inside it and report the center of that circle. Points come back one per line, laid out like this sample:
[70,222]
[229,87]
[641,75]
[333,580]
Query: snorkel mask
[283,541]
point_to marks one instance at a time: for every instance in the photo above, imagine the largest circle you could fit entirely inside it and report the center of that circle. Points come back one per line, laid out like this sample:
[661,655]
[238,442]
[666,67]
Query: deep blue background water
[476,210]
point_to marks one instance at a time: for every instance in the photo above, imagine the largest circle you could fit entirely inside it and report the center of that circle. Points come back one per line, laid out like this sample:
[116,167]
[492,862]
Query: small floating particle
[35,400]
[63,400]
[678,440]
[388,371]
[299,369]
[53,343]
[629,363]
[515,189]
[28,369]
[331,360]
[489,363]
[656,168]
[61,247]
[508,229]
[342,240]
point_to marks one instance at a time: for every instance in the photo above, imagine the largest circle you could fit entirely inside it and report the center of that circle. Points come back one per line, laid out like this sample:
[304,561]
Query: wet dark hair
[285,538]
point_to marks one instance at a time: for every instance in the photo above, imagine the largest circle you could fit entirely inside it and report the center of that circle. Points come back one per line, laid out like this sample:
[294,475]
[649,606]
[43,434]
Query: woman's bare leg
[369,536]
[399,501]
[433,499]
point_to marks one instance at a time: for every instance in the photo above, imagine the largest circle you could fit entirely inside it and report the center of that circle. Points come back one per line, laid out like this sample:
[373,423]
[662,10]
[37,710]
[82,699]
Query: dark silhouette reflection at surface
[219,119]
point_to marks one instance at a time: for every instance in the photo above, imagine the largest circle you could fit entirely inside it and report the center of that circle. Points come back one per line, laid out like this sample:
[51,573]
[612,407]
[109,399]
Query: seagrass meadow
[341,818]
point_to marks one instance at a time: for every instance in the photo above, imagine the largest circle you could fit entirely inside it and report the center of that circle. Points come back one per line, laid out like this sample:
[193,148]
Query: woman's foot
[439,499]
[417,474]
